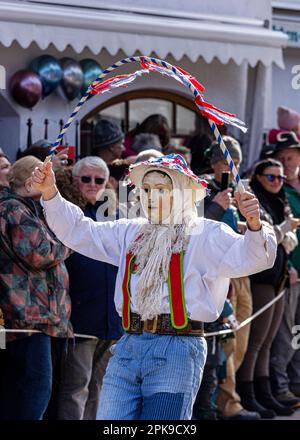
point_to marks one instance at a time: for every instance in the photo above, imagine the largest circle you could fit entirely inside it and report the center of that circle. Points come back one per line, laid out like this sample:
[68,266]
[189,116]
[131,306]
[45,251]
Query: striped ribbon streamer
[187,83]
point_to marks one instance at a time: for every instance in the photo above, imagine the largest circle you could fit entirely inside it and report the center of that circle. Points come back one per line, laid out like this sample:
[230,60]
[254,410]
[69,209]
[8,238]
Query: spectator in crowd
[117,171]
[37,151]
[4,169]
[198,144]
[253,375]
[69,188]
[146,141]
[41,149]
[219,206]
[92,285]
[147,154]
[285,358]
[155,124]
[108,140]
[34,296]
[205,407]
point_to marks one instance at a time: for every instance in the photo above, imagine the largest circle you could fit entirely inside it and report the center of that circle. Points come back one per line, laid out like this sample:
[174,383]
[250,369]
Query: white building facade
[230,47]
[286,82]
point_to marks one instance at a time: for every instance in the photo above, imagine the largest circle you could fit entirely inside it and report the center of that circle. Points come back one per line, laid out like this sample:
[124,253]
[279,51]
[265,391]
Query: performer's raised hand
[43,179]
[248,206]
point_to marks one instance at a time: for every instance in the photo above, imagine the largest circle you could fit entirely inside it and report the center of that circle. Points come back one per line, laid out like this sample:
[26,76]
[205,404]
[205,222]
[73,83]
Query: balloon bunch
[46,74]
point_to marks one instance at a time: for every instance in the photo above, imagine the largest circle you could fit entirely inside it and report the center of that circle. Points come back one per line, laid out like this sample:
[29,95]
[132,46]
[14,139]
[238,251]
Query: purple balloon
[26,88]
[72,79]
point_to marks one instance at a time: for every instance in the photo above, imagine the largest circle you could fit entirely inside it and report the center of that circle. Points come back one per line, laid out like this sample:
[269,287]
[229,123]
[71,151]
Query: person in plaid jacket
[33,296]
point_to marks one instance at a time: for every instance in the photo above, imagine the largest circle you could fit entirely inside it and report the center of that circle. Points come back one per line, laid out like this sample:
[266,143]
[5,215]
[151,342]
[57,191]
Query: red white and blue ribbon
[115,82]
[213,114]
[172,162]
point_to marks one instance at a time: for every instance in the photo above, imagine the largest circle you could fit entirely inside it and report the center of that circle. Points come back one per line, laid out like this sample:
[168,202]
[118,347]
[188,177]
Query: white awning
[180,35]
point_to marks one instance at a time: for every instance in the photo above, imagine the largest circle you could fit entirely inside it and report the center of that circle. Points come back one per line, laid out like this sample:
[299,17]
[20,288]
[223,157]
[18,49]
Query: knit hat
[287,139]
[107,132]
[214,153]
[288,119]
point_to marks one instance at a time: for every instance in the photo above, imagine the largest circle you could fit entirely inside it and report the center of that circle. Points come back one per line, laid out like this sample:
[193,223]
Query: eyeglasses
[88,179]
[273,177]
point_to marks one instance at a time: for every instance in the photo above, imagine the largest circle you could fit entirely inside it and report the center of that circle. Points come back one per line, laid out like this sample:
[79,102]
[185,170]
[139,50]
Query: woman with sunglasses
[253,376]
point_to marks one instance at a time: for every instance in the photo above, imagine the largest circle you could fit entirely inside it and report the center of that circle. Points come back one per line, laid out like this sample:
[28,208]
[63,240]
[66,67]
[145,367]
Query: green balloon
[91,70]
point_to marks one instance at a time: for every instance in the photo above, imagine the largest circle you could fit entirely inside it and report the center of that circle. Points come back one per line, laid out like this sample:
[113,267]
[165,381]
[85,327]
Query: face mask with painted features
[167,197]
[156,197]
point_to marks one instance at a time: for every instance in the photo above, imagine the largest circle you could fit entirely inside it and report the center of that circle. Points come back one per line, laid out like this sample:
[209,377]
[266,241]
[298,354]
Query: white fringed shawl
[155,244]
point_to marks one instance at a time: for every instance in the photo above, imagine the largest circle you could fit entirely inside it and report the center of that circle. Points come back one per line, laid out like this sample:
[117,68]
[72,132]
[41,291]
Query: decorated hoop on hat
[213,114]
[171,162]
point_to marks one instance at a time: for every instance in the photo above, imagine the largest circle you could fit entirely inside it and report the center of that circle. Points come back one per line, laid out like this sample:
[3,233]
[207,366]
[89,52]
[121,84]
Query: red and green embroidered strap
[179,316]
[126,291]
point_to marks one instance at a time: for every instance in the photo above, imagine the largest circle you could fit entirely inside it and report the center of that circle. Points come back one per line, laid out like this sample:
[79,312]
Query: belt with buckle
[162,325]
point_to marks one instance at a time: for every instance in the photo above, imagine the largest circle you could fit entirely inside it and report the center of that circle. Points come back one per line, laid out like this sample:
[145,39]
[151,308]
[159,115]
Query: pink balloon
[26,88]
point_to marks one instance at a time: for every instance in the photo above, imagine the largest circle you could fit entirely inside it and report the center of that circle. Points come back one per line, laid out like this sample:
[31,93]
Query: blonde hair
[21,170]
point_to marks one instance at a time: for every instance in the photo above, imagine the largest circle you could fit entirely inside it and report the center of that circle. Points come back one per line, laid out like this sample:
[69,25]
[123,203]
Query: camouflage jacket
[33,276]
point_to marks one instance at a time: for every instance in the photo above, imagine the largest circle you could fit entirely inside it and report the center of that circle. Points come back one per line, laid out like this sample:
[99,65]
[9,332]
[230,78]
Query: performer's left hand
[248,206]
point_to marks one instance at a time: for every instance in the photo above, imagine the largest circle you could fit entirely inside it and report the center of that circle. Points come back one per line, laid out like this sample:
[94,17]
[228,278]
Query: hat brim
[137,173]
[289,147]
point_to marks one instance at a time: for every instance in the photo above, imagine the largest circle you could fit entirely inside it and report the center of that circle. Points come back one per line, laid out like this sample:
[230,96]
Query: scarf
[155,243]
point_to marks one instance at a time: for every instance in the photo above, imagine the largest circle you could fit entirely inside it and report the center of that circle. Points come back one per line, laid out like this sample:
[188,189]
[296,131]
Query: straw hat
[171,163]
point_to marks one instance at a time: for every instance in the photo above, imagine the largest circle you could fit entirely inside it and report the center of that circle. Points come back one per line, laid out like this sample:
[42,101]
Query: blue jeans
[152,377]
[25,378]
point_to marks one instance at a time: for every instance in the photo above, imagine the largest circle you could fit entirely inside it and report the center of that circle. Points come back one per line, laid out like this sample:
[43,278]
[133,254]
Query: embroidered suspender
[179,317]
[126,292]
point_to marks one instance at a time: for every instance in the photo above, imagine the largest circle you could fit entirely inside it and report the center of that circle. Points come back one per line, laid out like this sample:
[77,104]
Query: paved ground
[295,416]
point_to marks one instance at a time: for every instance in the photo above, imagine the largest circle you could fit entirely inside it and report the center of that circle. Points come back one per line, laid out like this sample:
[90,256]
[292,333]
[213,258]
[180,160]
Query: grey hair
[146,141]
[147,154]
[91,161]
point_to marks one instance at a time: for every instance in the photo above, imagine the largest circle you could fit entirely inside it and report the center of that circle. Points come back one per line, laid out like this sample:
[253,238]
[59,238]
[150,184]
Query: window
[131,108]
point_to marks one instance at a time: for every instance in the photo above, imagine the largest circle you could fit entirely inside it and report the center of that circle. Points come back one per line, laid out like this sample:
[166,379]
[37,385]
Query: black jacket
[273,211]
[92,286]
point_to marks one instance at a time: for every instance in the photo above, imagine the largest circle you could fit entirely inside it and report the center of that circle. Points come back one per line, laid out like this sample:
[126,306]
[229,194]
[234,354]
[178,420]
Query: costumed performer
[174,271]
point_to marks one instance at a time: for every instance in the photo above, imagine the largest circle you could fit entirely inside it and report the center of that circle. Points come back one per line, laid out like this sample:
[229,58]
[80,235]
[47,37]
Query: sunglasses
[88,179]
[273,177]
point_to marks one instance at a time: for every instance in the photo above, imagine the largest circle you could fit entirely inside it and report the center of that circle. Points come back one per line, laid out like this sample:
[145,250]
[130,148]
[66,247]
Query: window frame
[174,97]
